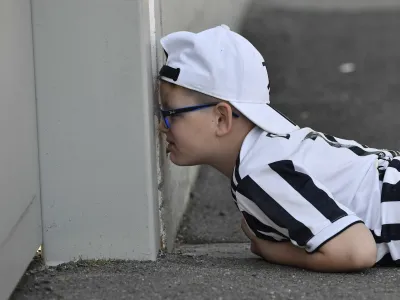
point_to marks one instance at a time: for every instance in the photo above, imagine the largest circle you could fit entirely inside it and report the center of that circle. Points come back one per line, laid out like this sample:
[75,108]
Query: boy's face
[191,137]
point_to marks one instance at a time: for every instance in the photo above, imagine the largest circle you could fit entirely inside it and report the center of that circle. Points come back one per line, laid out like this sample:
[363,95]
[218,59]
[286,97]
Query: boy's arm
[352,250]
[288,202]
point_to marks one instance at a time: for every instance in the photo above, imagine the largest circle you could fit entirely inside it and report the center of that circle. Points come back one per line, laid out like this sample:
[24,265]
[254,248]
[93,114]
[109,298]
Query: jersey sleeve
[285,199]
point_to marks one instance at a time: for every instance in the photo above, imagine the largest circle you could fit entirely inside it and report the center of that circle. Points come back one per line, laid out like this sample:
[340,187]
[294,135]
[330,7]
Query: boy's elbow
[355,249]
[364,256]
[352,258]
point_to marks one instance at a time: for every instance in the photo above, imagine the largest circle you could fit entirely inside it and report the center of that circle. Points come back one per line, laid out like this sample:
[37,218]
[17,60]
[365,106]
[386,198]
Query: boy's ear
[224,118]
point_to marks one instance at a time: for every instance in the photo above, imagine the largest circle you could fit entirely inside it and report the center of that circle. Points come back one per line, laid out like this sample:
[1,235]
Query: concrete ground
[338,72]
[218,276]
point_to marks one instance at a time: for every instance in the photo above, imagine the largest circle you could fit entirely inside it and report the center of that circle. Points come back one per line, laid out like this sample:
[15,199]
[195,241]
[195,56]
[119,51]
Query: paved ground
[304,52]
[202,277]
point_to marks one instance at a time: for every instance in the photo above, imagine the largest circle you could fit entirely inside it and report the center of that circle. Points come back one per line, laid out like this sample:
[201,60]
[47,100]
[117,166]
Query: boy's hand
[247,231]
[252,237]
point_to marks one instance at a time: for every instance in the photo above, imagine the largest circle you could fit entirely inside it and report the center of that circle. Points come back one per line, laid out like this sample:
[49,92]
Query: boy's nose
[162,127]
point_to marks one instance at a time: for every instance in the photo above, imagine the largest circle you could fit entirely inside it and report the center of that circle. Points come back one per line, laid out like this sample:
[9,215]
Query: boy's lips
[169,146]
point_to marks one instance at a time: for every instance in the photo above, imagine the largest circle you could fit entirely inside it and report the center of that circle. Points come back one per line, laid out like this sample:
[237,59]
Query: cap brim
[265,117]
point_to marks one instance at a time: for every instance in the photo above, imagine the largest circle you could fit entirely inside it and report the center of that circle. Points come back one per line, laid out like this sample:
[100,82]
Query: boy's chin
[182,162]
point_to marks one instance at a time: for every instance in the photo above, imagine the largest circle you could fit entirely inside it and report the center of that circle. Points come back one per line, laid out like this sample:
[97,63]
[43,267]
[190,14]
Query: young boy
[308,199]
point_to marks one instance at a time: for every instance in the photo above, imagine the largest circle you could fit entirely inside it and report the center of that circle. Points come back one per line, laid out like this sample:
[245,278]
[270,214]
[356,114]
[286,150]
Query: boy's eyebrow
[165,107]
[164,103]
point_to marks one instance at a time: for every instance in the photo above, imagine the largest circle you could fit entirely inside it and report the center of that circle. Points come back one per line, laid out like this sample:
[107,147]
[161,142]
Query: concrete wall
[177,15]
[101,159]
[199,15]
[96,129]
[20,217]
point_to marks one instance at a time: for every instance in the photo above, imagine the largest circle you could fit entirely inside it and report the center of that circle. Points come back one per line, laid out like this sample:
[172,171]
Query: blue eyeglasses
[166,114]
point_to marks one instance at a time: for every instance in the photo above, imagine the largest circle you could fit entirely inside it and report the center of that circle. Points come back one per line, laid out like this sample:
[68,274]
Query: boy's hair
[200,97]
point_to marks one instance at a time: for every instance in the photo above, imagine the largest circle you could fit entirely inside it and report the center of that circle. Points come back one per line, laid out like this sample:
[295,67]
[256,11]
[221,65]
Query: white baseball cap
[223,64]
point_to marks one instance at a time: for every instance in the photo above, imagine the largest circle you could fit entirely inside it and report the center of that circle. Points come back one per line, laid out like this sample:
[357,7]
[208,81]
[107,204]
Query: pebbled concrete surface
[188,276]
[303,50]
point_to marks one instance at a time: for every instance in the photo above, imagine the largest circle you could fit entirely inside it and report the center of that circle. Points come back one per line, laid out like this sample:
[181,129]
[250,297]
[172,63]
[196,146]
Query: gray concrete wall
[20,216]
[96,129]
[194,16]
[100,156]
[199,15]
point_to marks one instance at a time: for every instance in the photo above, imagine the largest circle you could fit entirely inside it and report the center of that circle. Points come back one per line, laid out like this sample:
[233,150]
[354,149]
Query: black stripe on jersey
[237,175]
[233,195]
[331,138]
[390,232]
[297,230]
[390,192]
[378,239]
[395,163]
[305,186]
[387,261]
[381,173]
[255,225]
[233,185]
[359,151]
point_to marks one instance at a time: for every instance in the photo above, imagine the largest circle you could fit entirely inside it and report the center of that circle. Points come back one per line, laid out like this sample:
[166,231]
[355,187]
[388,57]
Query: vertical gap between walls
[41,248]
[158,138]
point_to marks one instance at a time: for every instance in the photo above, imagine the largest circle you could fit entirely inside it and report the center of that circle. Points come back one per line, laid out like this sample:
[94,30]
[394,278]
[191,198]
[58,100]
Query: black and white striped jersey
[307,187]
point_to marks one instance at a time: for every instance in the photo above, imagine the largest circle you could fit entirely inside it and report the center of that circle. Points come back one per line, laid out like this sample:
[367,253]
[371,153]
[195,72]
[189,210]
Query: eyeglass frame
[172,112]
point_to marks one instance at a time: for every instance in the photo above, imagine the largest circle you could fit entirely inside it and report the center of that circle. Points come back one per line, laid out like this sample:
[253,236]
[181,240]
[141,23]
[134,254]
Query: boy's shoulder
[261,148]
[302,146]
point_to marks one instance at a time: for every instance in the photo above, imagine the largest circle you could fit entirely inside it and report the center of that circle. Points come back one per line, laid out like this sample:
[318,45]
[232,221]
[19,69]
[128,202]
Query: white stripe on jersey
[331,231]
[392,247]
[234,180]
[382,250]
[273,235]
[390,212]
